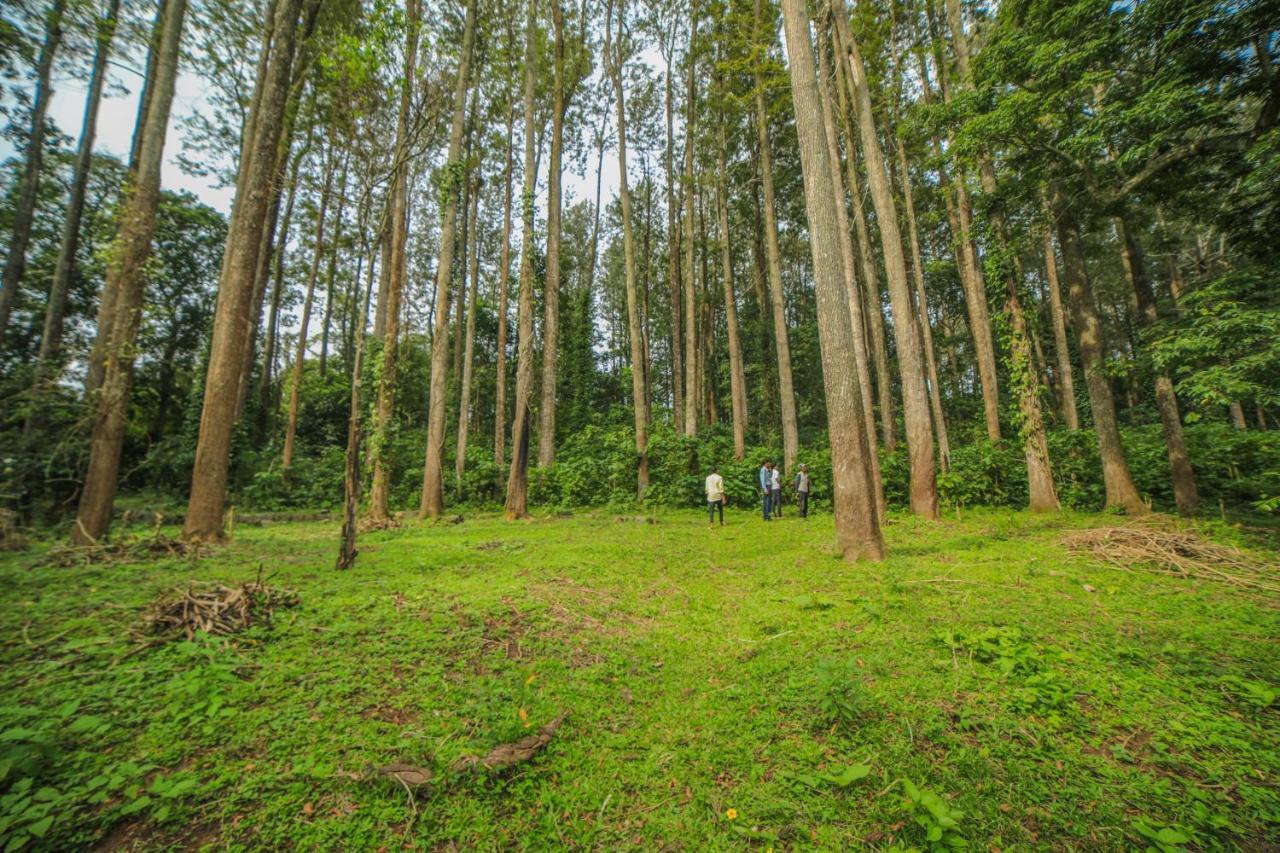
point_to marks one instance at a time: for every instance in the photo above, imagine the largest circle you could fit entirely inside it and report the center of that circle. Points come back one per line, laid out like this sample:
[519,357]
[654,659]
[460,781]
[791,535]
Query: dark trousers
[712,506]
[803,499]
[777,502]
[766,502]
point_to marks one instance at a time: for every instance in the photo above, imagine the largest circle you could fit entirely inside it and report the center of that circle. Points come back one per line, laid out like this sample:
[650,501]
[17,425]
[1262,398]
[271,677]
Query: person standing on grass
[802,490]
[715,497]
[775,488]
[766,487]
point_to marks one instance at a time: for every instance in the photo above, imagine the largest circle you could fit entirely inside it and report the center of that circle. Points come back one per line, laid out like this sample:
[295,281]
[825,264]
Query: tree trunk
[235,286]
[782,341]
[300,351]
[504,272]
[351,472]
[856,520]
[551,287]
[266,396]
[25,207]
[852,292]
[1120,489]
[959,214]
[737,376]
[640,400]
[1185,494]
[55,310]
[332,274]
[1066,384]
[915,397]
[129,253]
[690,304]
[1237,416]
[433,468]
[518,479]
[673,267]
[870,312]
[922,312]
[468,358]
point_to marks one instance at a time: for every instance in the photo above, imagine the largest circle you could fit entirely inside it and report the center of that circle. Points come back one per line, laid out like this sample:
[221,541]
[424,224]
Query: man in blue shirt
[766,487]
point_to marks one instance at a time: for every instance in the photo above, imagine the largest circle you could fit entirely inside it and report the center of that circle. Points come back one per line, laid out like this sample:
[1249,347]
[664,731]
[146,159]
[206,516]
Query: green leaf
[40,827]
[849,775]
[136,806]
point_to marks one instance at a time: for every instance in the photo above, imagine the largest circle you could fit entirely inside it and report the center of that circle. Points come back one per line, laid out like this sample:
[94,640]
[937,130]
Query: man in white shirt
[776,492]
[715,497]
[802,490]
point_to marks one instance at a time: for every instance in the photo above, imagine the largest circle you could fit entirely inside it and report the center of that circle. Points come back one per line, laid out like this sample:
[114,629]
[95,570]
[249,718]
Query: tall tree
[1066,384]
[24,211]
[915,398]
[857,522]
[781,335]
[516,506]
[504,274]
[737,376]
[304,326]
[1118,481]
[55,309]
[690,195]
[1185,494]
[236,282]
[124,286]
[469,345]
[615,62]
[433,468]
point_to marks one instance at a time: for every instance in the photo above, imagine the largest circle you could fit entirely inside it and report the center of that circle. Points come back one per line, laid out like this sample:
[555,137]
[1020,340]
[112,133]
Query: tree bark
[235,286]
[504,273]
[266,396]
[1185,494]
[1121,492]
[673,263]
[915,397]
[518,479]
[551,287]
[130,250]
[55,310]
[871,313]
[300,351]
[853,295]
[1066,384]
[690,303]
[28,189]
[468,358]
[433,468]
[332,274]
[922,312]
[640,399]
[782,341]
[737,376]
[856,520]
[351,471]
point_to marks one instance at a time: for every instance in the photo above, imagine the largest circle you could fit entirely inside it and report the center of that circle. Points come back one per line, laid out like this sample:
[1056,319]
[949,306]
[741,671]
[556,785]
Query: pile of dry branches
[1174,552]
[216,609]
[154,547]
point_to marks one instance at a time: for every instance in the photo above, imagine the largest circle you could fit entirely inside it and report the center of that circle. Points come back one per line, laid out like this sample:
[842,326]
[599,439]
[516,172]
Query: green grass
[980,684]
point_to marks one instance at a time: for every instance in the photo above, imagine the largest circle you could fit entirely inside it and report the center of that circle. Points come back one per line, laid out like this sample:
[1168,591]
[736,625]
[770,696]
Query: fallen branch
[510,754]
[1174,552]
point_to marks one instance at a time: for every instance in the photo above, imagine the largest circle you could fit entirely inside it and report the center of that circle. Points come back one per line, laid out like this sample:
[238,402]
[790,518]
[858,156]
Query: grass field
[726,689]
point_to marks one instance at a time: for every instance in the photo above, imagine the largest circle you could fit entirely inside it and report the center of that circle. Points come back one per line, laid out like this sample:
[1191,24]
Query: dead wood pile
[213,608]
[1174,552]
[131,550]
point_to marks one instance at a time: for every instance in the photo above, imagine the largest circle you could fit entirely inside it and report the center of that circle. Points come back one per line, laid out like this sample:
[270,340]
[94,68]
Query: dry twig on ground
[213,608]
[1167,550]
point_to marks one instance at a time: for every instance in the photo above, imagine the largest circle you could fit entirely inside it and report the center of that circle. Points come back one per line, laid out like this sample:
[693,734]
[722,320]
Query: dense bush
[596,467]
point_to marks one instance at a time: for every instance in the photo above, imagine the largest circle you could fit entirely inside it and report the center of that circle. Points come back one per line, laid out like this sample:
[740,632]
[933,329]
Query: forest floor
[725,688]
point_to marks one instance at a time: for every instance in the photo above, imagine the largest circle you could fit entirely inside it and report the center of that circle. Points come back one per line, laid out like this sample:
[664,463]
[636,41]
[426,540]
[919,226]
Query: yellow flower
[731,814]
[530,679]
